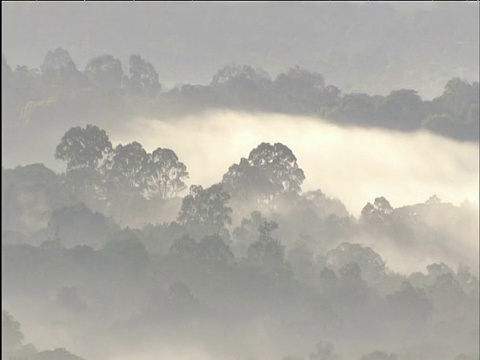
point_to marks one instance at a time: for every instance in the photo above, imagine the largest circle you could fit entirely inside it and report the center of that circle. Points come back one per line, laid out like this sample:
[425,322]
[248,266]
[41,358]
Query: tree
[328,282]
[378,213]
[371,264]
[457,97]
[125,170]
[184,249]
[212,251]
[143,78]
[323,205]
[299,80]
[270,170]
[164,175]
[402,109]
[353,289]
[242,85]
[232,73]
[29,195]
[12,337]
[455,112]
[105,71]
[247,232]
[299,89]
[87,185]
[58,68]
[126,247]
[302,261]
[442,124]
[77,224]
[205,211]
[180,302]
[83,147]
[354,108]
[267,251]
[127,260]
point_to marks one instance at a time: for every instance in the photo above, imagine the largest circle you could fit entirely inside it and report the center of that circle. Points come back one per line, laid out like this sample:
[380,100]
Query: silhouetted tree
[58,68]
[83,147]
[164,175]
[269,170]
[105,71]
[143,78]
[205,211]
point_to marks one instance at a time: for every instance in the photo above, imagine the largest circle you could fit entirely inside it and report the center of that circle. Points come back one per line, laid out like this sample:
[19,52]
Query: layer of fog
[355,165]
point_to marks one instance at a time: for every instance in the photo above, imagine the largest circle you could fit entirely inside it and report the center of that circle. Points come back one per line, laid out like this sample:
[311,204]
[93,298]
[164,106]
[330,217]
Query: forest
[104,90]
[110,246]
[182,182]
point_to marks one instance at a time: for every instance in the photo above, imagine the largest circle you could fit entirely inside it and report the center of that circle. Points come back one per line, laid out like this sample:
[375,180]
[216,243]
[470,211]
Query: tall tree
[105,71]
[269,170]
[205,211]
[83,147]
[267,251]
[58,68]
[125,170]
[143,78]
[164,175]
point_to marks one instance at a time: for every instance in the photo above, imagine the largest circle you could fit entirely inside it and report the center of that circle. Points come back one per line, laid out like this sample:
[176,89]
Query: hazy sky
[369,46]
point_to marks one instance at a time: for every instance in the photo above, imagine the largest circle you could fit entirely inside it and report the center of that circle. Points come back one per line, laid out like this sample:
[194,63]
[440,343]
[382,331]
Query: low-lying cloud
[354,164]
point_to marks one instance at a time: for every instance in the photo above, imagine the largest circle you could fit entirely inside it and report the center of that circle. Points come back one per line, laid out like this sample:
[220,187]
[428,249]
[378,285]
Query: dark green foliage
[410,306]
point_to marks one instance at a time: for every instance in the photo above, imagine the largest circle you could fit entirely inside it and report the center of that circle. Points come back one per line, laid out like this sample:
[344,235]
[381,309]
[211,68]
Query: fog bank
[354,164]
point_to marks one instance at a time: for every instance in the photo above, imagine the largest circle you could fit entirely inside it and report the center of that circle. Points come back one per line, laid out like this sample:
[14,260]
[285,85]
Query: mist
[355,165]
[261,181]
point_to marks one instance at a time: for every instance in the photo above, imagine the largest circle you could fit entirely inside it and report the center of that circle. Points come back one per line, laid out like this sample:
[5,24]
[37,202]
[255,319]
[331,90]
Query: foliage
[105,71]
[83,148]
[205,211]
[270,170]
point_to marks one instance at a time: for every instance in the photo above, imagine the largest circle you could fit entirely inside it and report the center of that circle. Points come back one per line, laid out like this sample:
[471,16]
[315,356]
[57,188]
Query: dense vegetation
[109,247]
[111,252]
[59,92]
